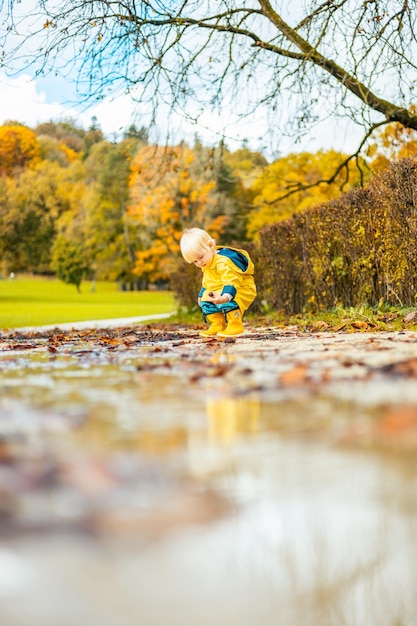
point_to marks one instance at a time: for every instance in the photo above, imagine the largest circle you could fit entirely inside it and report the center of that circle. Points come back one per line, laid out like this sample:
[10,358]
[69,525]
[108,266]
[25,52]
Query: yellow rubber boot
[234,324]
[217,324]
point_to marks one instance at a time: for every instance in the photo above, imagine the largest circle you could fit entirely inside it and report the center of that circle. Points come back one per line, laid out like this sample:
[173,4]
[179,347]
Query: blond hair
[194,242]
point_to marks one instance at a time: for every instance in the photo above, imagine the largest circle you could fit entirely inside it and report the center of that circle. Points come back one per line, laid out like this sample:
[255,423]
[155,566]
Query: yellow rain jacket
[231,271]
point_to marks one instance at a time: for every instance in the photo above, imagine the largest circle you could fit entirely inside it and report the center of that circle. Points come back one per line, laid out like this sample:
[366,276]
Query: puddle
[151,487]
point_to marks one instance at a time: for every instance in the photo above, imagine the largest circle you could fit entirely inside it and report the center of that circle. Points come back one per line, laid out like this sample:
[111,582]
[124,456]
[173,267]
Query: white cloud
[113,115]
[21,101]
[24,100]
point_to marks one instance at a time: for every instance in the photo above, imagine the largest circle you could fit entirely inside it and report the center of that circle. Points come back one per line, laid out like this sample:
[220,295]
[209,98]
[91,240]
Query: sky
[32,101]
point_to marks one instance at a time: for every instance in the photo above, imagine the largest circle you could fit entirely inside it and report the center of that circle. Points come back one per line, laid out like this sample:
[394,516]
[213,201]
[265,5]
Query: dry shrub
[360,248]
[393,195]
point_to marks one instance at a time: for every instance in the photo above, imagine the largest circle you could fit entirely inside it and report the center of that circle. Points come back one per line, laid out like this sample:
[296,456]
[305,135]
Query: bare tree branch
[392,113]
[342,57]
[294,187]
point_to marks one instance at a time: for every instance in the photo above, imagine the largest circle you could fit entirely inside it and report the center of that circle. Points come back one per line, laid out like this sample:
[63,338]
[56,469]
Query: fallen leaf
[320,325]
[340,326]
[361,324]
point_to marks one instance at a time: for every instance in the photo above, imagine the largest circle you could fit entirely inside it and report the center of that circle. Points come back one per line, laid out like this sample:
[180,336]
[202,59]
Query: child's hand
[219,299]
[214,298]
[208,296]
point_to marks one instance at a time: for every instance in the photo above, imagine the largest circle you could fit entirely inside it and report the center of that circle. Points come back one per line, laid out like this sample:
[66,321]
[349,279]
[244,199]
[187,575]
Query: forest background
[76,205]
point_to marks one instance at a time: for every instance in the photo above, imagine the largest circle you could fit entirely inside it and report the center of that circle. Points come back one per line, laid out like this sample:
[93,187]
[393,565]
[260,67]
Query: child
[228,285]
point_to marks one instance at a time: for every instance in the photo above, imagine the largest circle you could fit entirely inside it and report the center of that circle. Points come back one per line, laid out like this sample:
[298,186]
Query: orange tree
[169,191]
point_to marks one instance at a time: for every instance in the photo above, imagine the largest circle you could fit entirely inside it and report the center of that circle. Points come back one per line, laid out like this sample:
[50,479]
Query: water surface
[171,486]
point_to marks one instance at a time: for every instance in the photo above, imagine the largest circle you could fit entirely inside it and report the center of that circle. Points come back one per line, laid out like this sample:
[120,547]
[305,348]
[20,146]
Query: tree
[18,147]
[231,199]
[256,56]
[32,205]
[93,136]
[170,190]
[245,164]
[244,167]
[68,261]
[110,236]
[141,134]
[53,150]
[274,200]
[66,132]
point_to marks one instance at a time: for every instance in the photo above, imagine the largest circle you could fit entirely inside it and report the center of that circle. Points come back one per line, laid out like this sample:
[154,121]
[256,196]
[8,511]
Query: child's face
[205,257]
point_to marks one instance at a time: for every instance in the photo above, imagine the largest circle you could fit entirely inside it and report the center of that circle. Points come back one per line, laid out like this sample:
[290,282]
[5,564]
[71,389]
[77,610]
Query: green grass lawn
[34,301]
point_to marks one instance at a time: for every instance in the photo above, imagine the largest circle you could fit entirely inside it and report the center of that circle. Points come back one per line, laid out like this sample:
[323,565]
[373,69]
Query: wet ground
[148,476]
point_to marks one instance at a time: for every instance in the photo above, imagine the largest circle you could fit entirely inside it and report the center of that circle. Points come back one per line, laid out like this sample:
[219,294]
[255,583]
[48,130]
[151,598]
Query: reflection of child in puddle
[228,287]
[231,416]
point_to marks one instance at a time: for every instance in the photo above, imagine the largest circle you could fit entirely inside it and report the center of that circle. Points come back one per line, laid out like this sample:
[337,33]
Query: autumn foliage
[290,185]
[168,194]
[124,205]
[18,147]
